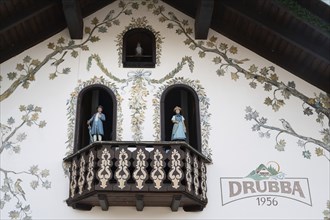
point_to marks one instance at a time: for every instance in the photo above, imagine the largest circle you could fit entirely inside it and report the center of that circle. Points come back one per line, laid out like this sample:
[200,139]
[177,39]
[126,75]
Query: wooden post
[103,200]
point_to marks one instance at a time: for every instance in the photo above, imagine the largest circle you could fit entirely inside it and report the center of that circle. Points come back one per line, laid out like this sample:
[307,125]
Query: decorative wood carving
[158,172]
[138,174]
[140,163]
[104,173]
[81,179]
[196,175]
[203,180]
[73,183]
[188,171]
[122,173]
[90,173]
[176,174]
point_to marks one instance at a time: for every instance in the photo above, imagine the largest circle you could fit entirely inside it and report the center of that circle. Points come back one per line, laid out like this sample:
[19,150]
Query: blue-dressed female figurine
[97,125]
[179,128]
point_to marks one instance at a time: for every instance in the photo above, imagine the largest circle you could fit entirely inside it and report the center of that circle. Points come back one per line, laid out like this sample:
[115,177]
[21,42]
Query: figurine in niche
[138,49]
[96,130]
[179,128]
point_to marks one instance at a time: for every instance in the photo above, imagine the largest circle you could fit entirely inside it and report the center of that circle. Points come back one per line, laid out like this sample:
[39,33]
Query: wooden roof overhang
[263,26]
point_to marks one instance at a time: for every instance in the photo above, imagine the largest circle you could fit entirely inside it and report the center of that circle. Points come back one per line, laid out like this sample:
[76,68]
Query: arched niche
[185,97]
[146,40]
[88,100]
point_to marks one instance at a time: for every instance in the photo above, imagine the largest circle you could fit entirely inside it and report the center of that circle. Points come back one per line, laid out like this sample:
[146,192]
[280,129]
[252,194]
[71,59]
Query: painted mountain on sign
[263,173]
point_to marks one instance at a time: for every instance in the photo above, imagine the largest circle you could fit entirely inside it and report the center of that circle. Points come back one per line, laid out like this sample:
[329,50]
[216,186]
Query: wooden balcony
[163,174]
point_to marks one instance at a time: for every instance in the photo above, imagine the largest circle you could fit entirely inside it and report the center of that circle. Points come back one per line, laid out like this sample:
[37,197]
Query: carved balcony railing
[171,174]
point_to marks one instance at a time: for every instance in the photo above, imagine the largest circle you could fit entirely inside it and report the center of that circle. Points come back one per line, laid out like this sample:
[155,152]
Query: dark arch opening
[147,41]
[88,100]
[185,97]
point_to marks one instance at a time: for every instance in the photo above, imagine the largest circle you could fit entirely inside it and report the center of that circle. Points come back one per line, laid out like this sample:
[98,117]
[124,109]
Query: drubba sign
[265,184]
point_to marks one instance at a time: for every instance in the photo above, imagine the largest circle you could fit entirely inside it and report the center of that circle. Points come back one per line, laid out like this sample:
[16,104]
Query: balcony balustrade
[165,174]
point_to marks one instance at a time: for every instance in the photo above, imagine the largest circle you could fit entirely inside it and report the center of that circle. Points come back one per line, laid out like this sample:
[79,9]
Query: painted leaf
[116,22]
[66,70]
[267,87]
[292,84]
[210,44]
[14,214]
[253,85]
[192,46]
[42,124]
[71,42]
[11,75]
[217,60]
[286,93]
[94,39]
[87,30]
[35,62]
[27,59]
[179,31]
[74,54]
[233,50]
[135,5]
[95,21]
[280,145]
[280,102]
[307,154]
[52,76]
[268,101]
[234,76]
[189,30]
[308,111]
[185,22]
[162,19]
[26,84]
[128,12]
[220,72]
[60,40]
[121,4]
[274,77]
[223,46]
[19,67]
[187,41]
[253,68]
[44,173]
[170,25]
[264,71]
[84,47]
[34,184]
[213,39]
[319,151]
[46,184]
[51,45]
[201,54]
[34,169]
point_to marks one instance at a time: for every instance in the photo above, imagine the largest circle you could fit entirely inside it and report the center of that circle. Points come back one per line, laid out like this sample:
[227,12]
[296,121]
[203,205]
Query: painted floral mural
[139,83]
[12,137]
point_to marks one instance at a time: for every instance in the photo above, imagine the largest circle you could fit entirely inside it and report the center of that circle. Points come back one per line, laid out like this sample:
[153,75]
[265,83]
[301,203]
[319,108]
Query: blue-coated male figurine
[97,119]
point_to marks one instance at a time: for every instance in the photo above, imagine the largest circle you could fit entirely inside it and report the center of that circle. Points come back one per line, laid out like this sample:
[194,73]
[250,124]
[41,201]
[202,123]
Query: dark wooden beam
[17,18]
[203,18]
[73,17]
[175,203]
[103,200]
[139,203]
[83,207]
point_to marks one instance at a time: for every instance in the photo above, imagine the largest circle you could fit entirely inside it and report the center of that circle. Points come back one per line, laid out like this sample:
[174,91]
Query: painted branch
[10,136]
[280,85]
[309,139]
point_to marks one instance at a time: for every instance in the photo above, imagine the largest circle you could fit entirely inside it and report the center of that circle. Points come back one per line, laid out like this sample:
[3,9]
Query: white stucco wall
[236,149]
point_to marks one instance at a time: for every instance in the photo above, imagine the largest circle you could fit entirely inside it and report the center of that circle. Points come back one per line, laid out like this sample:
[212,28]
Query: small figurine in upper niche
[138,49]
[96,131]
[179,128]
